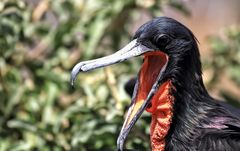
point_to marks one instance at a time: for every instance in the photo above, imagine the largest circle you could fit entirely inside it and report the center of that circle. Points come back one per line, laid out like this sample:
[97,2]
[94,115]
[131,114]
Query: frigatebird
[169,85]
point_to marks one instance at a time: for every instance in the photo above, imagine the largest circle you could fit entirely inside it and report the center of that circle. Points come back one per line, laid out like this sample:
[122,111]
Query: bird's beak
[133,49]
[146,85]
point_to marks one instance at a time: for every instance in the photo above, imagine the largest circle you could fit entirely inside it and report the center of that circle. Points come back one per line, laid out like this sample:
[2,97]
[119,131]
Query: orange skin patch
[161,109]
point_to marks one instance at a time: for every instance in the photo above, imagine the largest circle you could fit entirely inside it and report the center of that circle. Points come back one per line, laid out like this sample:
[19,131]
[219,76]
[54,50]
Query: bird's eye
[162,40]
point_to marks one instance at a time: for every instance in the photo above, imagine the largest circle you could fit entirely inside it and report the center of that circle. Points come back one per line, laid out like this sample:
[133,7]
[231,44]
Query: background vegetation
[40,41]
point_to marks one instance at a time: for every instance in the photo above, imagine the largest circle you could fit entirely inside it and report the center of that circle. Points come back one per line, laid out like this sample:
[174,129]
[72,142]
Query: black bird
[170,86]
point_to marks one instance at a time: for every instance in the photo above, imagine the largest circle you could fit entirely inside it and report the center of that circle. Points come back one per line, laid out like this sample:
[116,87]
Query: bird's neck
[170,100]
[191,103]
[178,99]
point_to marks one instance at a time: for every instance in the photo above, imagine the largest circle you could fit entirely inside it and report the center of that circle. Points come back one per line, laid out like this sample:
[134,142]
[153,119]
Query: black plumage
[199,122]
[170,87]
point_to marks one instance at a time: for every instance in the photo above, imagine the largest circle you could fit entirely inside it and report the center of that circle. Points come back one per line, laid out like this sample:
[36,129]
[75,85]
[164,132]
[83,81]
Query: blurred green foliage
[40,41]
[225,63]
[226,53]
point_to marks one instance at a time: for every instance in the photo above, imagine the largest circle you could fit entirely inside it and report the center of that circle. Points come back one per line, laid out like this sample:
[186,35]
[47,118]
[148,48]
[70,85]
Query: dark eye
[162,40]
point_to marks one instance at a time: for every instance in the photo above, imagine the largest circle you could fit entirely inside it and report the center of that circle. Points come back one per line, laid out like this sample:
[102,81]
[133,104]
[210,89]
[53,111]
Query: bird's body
[201,123]
[170,87]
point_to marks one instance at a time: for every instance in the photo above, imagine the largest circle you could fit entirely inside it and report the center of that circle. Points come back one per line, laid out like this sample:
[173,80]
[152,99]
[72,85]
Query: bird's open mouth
[151,67]
[148,81]
[146,86]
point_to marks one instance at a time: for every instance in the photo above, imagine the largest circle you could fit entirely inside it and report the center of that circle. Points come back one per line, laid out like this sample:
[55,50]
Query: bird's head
[169,50]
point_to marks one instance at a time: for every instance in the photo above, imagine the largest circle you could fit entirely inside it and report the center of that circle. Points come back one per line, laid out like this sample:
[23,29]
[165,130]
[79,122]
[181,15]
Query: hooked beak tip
[75,71]
[72,81]
[73,77]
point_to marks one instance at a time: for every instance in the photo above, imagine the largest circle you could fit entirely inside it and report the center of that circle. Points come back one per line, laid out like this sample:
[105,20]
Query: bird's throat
[161,108]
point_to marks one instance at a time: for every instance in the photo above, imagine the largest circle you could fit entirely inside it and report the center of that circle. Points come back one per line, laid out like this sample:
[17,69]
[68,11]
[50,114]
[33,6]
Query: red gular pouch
[161,108]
